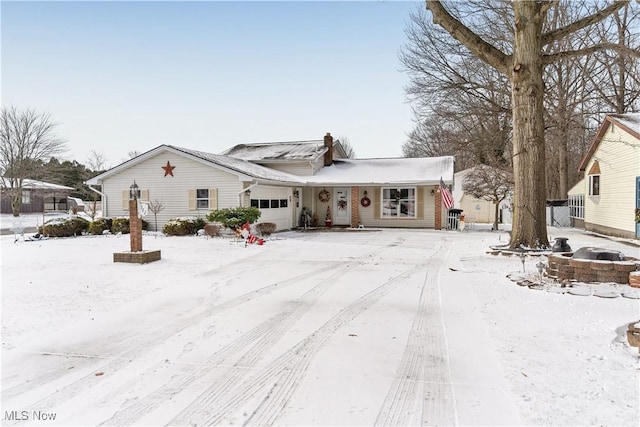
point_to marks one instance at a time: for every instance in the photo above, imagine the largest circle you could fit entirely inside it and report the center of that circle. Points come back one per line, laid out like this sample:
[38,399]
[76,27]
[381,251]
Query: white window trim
[576,206]
[591,185]
[397,216]
[198,199]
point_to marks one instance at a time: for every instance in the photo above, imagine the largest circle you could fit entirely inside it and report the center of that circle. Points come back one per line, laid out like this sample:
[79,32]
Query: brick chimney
[328,156]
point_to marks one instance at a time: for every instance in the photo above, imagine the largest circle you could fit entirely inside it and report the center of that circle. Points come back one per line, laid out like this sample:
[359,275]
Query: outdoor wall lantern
[248,193]
[296,193]
[133,191]
[433,191]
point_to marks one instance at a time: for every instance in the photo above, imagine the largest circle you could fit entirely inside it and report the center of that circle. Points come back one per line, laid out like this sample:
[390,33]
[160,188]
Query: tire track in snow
[252,346]
[439,407]
[282,377]
[116,346]
[396,409]
[156,338]
[275,328]
[424,364]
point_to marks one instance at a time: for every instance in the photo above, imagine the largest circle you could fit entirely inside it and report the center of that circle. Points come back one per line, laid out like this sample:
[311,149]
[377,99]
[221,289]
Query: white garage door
[275,204]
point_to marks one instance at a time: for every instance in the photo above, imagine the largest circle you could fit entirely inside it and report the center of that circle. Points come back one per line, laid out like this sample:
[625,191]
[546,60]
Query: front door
[341,206]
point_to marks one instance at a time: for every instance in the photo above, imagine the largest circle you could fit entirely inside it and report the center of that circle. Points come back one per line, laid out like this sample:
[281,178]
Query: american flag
[447,198]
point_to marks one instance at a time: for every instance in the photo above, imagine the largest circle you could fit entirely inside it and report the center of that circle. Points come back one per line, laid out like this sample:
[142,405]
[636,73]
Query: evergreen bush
[98,225]
[64,227]
[183,226]
[121,225]
[234,217]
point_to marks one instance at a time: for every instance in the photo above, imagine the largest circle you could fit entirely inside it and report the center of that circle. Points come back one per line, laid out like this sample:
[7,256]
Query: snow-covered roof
[629,122]
[343,171]
[278,151]
[32,184]
[242,166]
[385,171]
[231,164]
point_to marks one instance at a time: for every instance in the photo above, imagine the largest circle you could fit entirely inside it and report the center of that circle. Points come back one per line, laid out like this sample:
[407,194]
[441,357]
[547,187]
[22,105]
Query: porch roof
[426,171]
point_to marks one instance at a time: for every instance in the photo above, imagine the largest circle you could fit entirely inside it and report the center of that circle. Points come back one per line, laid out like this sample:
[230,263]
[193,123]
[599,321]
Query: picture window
[399,202]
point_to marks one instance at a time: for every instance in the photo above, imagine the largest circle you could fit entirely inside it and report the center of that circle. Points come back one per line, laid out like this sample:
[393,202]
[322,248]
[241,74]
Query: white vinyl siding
[618,156]
[277,205]
[172,191]
[143,196]
[294,168]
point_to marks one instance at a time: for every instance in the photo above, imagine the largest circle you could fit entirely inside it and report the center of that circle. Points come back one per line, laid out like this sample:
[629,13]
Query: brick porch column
[355,205]
[135,227]
[438,208]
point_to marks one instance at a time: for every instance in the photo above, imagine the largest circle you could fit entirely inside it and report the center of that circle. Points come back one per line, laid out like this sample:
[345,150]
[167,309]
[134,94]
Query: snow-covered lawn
[388,327]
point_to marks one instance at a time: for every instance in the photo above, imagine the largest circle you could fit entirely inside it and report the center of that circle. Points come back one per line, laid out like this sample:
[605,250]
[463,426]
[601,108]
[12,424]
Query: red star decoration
[168,170]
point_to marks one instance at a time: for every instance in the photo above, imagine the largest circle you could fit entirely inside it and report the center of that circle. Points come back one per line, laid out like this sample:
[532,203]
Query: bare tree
[491,184]
[522,60]
[347,147]
[461,104]
[156,206]
[97,162]
[27,138]
[614,76]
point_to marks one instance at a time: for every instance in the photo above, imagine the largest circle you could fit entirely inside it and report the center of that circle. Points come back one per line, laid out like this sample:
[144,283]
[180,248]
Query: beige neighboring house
[281,179]
[610,188]
[476,210]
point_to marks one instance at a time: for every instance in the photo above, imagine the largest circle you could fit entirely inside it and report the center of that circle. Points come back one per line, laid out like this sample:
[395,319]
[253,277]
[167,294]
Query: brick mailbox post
[136,255]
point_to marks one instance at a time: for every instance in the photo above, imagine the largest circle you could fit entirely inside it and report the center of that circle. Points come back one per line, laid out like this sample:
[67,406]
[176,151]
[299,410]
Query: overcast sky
[124,76]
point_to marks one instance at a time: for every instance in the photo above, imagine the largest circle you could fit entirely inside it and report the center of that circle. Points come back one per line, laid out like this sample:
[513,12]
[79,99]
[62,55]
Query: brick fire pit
[562,266]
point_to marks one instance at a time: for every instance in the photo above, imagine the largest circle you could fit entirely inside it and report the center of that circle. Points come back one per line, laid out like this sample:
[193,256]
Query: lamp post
[133,191]
[135,222]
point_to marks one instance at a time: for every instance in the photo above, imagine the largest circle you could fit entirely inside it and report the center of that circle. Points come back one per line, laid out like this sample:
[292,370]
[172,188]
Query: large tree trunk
[529,222]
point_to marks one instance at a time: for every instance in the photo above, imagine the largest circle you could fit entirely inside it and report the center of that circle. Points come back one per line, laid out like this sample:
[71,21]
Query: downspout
[103,199]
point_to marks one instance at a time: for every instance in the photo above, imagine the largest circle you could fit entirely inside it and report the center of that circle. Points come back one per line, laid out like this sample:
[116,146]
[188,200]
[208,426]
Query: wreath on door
[324,196]
[365,202]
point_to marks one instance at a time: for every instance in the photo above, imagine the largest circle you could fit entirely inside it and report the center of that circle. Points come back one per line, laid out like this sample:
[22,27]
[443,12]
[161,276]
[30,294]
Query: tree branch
[559,33]
[476,44]
[548,59]
[545,7]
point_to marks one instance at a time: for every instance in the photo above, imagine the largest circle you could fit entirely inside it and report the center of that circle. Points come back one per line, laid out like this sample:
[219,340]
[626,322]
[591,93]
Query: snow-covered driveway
[392,327]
